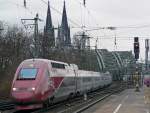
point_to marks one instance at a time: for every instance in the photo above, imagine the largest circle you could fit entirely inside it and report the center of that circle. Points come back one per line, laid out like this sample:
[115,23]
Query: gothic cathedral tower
[49,35]
[63,38]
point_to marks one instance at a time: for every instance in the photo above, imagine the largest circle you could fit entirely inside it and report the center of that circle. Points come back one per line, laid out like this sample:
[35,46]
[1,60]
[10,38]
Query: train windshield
[28,73]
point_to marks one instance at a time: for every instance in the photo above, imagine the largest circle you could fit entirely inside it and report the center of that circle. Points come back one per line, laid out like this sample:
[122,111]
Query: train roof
[44,60]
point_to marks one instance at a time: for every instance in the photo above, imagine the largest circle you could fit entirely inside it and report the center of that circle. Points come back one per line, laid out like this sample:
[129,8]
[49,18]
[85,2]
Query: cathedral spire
[65,30]
[64,22]
[49,34]
[48,19]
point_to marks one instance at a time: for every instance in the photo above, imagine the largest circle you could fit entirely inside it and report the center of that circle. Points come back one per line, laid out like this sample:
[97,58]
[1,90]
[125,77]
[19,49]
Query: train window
[57,65]
[70,82]
[86,79]
[27,73]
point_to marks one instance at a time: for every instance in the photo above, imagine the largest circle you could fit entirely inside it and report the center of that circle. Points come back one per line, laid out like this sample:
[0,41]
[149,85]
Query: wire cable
[123,37]
[18,5]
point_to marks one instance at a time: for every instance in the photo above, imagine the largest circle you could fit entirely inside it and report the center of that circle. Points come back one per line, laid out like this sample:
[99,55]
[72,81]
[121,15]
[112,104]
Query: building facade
[63,37]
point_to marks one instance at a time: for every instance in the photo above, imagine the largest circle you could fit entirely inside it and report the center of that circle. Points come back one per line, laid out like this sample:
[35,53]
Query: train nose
[23,94]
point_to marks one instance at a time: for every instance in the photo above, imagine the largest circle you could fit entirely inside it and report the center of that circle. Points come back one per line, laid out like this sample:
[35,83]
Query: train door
[76,78]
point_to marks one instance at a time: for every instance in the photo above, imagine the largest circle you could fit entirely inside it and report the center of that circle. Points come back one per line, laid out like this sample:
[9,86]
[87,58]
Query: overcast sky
[102,13]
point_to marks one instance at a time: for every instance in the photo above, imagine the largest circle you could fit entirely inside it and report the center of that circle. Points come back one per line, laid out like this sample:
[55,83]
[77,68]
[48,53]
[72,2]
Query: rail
[6,106]
[79,105]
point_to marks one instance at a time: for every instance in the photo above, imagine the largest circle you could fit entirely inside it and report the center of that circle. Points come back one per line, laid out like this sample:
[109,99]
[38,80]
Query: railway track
[6,106]
[79,105]
[95,101]
[91,101]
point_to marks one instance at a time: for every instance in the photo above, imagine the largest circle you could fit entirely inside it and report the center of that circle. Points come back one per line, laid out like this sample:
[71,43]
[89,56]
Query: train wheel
[49,102]
[71,95]
[78,93]
[46,103]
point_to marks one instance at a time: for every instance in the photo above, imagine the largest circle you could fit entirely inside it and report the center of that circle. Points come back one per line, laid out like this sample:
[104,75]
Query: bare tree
[13,47]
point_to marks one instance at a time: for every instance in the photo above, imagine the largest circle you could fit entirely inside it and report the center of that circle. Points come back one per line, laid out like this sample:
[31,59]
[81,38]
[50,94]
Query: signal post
[136,76]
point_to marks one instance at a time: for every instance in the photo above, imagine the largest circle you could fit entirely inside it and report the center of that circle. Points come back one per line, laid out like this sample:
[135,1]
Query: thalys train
[39,82]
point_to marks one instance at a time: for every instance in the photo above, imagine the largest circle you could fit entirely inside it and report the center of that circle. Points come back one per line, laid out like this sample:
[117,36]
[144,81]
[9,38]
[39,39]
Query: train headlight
[14,89]
[33,88]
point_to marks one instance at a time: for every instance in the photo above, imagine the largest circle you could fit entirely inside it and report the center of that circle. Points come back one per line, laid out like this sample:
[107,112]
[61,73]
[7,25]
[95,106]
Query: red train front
[30,86]
[39,82]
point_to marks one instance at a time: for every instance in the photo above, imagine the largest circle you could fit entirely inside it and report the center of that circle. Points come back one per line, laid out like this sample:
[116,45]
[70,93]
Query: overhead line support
[36,43]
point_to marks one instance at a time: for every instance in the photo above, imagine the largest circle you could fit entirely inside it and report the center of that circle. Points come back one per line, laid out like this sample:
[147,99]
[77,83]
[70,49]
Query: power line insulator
[84,2]
[25,3]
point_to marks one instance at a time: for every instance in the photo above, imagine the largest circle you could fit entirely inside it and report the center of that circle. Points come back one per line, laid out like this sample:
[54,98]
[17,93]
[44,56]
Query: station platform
[127,101]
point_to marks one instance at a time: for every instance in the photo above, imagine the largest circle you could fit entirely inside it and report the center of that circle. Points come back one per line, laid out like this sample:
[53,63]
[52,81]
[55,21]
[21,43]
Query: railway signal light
[136,47]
